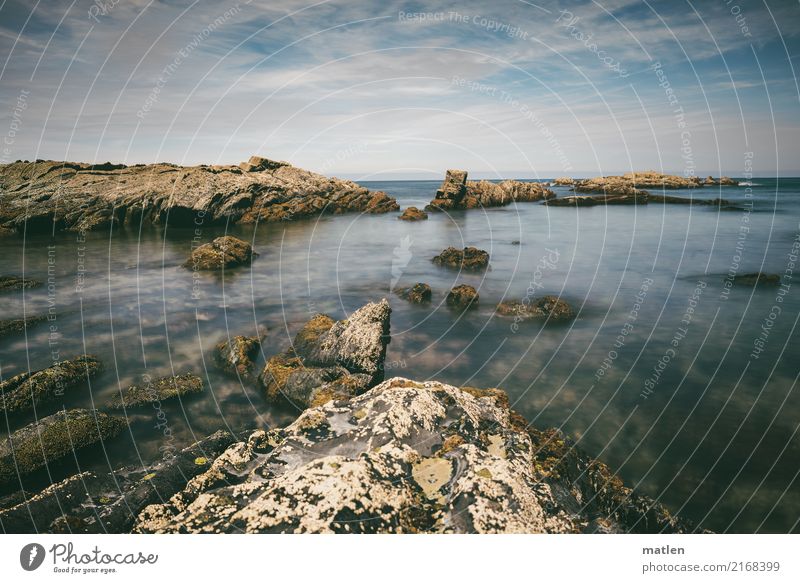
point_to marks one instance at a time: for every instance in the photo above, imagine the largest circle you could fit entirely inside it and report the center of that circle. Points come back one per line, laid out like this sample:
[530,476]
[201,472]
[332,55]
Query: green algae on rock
[236,354]
[551,308]
[26,391]
[221,253]
[52,438]
[419,293]
[13,283]
[463,297]
[19,325]
[160,389]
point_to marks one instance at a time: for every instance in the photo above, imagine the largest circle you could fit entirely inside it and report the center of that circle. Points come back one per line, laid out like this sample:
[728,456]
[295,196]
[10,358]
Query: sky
[397,89]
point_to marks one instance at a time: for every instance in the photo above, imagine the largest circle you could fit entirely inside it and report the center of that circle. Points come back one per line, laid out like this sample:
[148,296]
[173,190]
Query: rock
[109,503]
[25,391]
[457,193]
[601,199]
[49,195]
[236,354]
[52,438]
[454,186]
[654,198]
[331,360]
[221,253]
[468,259]
[564,181]
[463,297]
[412,213]
[722,181]
[757,278]
[156,391]
[419,293]
[408,457]
[551,308]
[19,325]
[12,283]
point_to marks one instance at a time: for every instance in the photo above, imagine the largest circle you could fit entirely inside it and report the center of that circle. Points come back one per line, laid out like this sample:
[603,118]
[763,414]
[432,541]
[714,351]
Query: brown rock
[551,308]
[236,354]
[419,293]
[468,259]
[463,297]
[221,253]
[412,213]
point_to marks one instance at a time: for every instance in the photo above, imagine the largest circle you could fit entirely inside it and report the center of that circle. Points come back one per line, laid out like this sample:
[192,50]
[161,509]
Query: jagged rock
[27,390]
[109,503]
[757,278]
[564,181]
[419,293]
[721,181]
[463,297]
[236,354]
[457,193]
[52,438]
[12,283]
[19,325]
[76,197]
[331,360]
[221,253]
[468,259]
[412,213]
[408,457]
[551,308]
[157,390]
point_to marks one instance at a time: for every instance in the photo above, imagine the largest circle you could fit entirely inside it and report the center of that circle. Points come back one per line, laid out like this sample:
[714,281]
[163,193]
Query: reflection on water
[658,379]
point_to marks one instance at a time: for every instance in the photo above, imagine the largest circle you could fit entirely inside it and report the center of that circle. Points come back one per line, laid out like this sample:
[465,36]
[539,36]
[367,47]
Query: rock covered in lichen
[236,354]
[157,390]
[407,457]
[221,253]
[331,360]
[17,325]
[419,293]
[28,390]
[463,297]
[53,438]
[550,308]
[468,259]
[14,283]
[412,213]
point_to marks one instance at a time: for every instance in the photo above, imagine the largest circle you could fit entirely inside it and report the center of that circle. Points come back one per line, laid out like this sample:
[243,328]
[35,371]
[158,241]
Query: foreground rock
[161,389]
[236,354]
[14,283]
[27,390]
[412,213]
[331,360]
[109,503]
[463,297]
[419,293]
[221,253]
[456,193]
[74,196]
[757,278]
[19,325]
[550,308]
[468,259]
[52,438]
[408,457]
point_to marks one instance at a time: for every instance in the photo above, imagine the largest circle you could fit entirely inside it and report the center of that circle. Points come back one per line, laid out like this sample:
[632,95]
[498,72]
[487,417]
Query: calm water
[715,439]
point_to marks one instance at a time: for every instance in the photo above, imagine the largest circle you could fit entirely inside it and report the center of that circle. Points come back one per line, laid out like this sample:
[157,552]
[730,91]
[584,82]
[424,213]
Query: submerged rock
[27,390]
[468,259]
[457,193]
[52,438]
[408,457]
[72,196]
[463,297]
[551,308]
[12,283]
[600,199]
[109,503]
[156,391]
[757,278]
[236,354]
[19,325]
[419,293]
[331,360]
[221,253]
[412,213]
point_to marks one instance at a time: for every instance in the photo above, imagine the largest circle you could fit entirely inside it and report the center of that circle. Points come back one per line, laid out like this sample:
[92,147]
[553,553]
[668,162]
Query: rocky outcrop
[758,278]
[419,293]
[412,213]
[76,197]
[52,438]
[564,181]
[15,283]
[221,253]
[635,196]
[633,183]
[408,457]
[721,181]
[456,193]
[28,390]
[236,354]
[331,360]
[156,391]
[550,308]
[109,503]
[18,325]
[463,297]
[468,259]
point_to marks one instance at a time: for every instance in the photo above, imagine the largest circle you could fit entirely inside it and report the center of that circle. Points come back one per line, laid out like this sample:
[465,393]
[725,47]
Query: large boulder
[408,457]
[468,259]
[331,360]
[28,390]
[221,253]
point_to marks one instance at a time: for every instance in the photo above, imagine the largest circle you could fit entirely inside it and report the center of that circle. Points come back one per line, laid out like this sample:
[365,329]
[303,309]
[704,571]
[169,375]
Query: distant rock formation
[46,195]
[456,193]
[412,213]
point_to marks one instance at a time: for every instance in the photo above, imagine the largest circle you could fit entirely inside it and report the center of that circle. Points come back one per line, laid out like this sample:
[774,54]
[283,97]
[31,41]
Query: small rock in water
[236,354]
[757,278]
[468,259]
[12,282]
[419,293]
[156,391]
[221,253]
[19,325]
[463,297]
[412,213]
[552,308]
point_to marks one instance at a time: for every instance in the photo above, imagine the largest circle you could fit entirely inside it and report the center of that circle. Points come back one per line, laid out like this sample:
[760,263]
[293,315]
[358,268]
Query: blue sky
[388,89]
